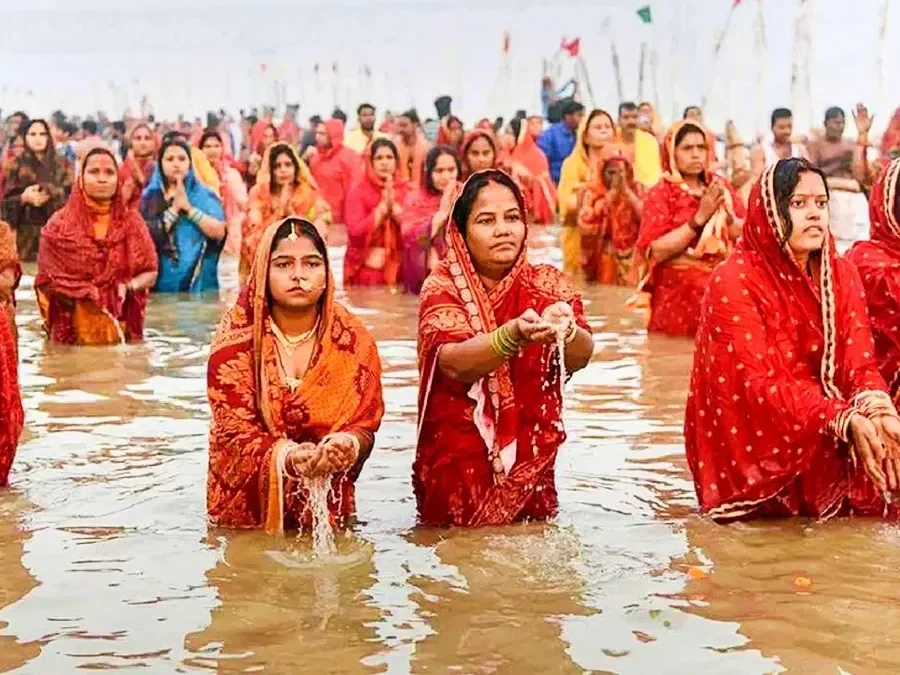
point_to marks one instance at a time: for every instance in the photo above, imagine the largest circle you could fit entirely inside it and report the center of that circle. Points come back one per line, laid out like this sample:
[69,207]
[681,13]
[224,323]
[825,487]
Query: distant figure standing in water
[12,416]
[490,405]
[295,389]
[10,275]
[787,413]
[186,220]
[96,262]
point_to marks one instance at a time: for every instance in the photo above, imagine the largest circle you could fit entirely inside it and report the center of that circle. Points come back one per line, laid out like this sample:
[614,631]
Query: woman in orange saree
[609,219]
[878,263]
[294,384]
[284,187]
[490,406]
[374,211]
[138,166]
[689,221]
[96,263]
[787,413]
[532,163]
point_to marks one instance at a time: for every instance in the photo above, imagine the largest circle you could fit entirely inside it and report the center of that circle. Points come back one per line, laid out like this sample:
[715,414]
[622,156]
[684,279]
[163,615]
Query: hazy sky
[190,57]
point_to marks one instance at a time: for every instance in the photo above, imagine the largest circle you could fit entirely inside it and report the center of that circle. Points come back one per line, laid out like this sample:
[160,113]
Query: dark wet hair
[462,209]
[431,159]
[304,229]
[364,106]
[274,153]
[383,143]
[787,176]
[780,114]
[688,128]
[169,141]
[207,134]
[688,110]
[833,112]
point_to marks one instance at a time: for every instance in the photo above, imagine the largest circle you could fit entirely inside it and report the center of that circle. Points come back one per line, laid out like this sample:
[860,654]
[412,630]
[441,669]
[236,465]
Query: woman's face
[285,173]
[444,172]
[212,148]
[456,131]
[268,137]
[809,214]
[480,155]
[599,131]
[142,142]
[384,162]
[297,275]
[100,177]
[37,137]
[495,232]
[175,163]
[535,126]
[691,154]
[611,172]
[17,147]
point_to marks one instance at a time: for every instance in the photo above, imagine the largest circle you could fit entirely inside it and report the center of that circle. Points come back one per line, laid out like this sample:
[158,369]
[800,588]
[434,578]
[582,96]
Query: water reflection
[106,559]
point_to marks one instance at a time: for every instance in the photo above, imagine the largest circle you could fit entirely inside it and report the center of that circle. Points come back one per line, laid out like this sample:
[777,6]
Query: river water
[107,562]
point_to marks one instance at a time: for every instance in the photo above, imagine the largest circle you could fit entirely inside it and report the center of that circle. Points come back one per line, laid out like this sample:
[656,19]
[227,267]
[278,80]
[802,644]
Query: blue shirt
[557,142]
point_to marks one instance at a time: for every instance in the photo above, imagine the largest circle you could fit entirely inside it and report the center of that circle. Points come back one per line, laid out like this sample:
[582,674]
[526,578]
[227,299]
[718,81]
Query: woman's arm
[474,358]
[674,243]
[142,282]
[210,226]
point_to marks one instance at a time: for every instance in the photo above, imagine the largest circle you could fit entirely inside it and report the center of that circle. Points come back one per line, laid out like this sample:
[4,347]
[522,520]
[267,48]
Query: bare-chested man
[778,144]
[831,152]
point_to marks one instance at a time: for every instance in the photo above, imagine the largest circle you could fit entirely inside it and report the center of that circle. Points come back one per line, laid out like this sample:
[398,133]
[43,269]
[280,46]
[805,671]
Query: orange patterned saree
[254,412]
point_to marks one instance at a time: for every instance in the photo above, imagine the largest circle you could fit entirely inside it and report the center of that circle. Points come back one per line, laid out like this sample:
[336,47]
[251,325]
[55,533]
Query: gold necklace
[290,344]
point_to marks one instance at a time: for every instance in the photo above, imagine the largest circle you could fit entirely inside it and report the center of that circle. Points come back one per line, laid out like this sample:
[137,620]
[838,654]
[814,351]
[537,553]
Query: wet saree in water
[188,259]
[10,275]
[486,451]
[11,412]
[781,360]
[254,413]
[87,252]
[676,286]
[878,263]
[373,256]
[609,227]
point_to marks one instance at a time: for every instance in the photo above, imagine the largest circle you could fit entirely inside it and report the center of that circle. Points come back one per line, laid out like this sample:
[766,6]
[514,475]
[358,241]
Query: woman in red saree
[532,163]
[10,274]
[374,211]
[96,263]
[11,412]
[878,263]
[138,166]
[255,163]
[787,413]
[609,218]
[452,133]
[425,215]
[689,221]
[294,385]
[490,408]
[284,187]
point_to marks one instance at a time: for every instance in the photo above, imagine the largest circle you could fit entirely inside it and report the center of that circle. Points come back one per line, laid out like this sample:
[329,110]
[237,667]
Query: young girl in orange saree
[490,403]
[295,389]
[284,187]
[787,414]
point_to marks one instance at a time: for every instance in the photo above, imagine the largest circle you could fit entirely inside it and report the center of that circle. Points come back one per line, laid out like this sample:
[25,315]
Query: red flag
[573,47]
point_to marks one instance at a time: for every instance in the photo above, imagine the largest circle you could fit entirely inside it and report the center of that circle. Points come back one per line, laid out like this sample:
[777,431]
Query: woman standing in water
[284,187]
[373,211]
[294,386]
[689,221]
[10,274]
[787,414]
[186,220]
[425,215]
[96,263]
[138,165]
[878,263]
[490,406]
[36,185]
[11,412]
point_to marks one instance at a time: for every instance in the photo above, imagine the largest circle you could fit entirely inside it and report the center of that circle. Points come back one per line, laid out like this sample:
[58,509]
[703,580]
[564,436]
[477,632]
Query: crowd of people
[760,256]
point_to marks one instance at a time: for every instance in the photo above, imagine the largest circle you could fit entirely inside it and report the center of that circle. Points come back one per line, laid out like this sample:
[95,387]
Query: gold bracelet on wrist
[503,343]
[573,332]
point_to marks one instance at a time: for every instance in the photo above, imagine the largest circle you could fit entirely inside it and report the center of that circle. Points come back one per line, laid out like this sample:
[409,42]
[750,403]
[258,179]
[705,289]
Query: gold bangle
[573,332]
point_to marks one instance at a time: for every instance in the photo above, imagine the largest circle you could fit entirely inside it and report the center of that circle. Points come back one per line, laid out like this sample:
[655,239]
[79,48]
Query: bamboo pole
[717,49]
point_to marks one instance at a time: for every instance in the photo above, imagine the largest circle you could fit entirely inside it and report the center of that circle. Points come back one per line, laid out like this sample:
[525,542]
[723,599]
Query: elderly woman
[787,413]
[36,184]
[294,387]
[490,406]
[96,263]
[186,220]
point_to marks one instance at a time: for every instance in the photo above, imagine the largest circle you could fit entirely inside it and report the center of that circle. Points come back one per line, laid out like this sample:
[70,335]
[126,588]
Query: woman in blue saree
[186,221]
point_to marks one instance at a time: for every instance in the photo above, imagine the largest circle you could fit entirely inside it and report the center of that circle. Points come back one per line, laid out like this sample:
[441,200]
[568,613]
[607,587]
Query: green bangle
[503,343]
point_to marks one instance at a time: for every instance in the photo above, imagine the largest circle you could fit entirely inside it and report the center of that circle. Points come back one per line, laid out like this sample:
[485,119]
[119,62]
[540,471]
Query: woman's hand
[306,459]
[869,448]
[529,327]
[712,198]
[559,316]
[341,451]
[179,197]
[34,195]
[888,428]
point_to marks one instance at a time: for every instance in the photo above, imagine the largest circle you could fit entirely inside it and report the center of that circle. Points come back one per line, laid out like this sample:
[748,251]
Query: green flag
[644,13]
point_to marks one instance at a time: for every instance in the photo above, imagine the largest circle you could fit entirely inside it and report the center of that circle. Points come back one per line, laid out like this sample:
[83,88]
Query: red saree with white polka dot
[486,451]
[878,263]
[779,360]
